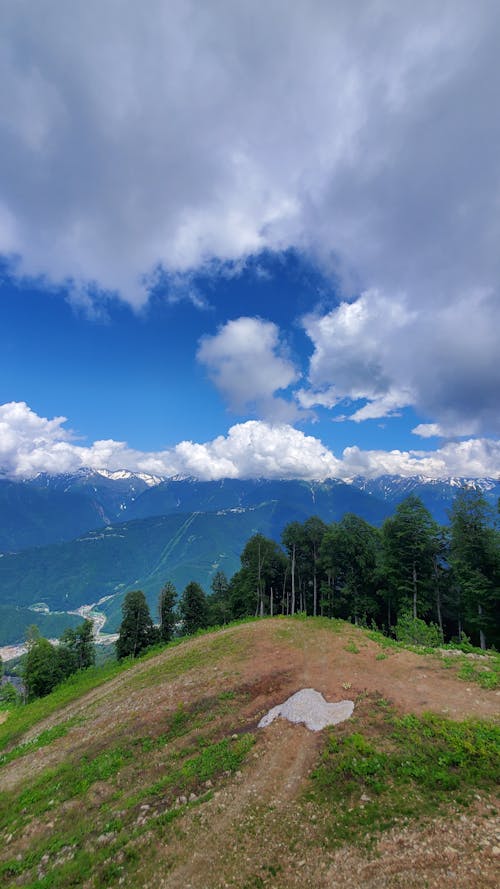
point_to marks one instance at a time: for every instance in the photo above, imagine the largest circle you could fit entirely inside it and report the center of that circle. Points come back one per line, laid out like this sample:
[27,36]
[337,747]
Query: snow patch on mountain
[126,475]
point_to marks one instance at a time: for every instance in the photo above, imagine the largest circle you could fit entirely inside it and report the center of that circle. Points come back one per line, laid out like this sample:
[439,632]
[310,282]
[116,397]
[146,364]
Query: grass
[400,768]
[42,740]
[376,770]
[214,759]
[185,773]
[124,775]
[485,676]
[23,717]
[485,673]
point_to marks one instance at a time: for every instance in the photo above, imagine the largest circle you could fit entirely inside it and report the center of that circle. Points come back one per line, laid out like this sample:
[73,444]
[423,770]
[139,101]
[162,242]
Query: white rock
[309,706]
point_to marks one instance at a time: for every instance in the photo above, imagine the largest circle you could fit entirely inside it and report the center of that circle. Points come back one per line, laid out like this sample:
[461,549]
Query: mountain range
[73,540]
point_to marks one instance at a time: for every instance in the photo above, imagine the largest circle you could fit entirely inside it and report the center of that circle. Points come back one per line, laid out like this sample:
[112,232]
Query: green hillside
[143,554]
[156,773]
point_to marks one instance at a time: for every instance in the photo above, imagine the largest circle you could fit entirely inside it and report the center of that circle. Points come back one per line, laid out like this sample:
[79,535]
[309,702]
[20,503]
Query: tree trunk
[482,637]
[271,602]
[414,578]
[260,605]
[438,597]
[284,593]
[293,579]
[315,593]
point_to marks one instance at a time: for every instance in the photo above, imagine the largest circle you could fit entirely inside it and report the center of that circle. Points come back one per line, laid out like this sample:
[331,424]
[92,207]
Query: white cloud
[441,359]
[197,132]
[248,364]
[431,430]
[475,458]
[30,444]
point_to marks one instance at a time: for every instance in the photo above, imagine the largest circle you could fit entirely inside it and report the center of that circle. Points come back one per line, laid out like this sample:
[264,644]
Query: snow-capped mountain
[51,509]
[126,475]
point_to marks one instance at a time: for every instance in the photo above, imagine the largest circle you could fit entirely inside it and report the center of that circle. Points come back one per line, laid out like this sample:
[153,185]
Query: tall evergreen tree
[262,564]
[410,540]
[218,601]
[137,631]
[475,561]
[166,613]
[292,539]
[193,608]
[314,531]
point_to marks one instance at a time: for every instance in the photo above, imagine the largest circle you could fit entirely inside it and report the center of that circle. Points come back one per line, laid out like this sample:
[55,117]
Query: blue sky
[134,375]
[272,235]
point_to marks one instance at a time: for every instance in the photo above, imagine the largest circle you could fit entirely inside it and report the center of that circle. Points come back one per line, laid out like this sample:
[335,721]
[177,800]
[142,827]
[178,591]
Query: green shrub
[414,631]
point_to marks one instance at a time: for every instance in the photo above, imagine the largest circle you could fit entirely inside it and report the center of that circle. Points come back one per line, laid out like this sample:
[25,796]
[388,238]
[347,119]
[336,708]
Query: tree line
[411,578]
[447,577]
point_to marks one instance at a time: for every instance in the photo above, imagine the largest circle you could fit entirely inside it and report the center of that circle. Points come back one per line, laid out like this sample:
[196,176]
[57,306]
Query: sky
[250,240]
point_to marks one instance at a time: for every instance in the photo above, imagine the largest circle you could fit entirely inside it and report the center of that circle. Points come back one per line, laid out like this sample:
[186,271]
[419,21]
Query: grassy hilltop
[155,773]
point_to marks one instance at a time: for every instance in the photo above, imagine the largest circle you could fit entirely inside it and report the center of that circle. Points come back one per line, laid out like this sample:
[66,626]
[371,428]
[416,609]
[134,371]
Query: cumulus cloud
[442,359]
[248,364]
[30,444]
[368,137]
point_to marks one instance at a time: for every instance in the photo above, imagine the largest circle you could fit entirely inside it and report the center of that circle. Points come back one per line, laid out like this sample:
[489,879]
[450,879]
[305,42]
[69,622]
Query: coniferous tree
[350,551]
[166,611]
[410,540]
[218,602]
[193,608]
[292,539]
[314,531]
[262,566]
[137,631]
[475,561]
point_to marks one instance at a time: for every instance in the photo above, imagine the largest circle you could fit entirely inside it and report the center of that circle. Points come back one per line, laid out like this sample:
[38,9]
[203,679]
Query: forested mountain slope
[141,554]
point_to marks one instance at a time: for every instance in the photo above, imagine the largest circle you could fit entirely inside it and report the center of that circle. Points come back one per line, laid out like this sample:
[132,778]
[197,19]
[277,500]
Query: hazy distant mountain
[32,515]
[436,494]
[52,509]
[49,509]
[329,499]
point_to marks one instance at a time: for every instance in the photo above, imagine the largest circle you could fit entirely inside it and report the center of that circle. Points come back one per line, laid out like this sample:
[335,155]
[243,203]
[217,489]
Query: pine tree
[475,561]
[193,608]
[166,603]
[218,601]
[410,540]
[262,567]
[349,557]
[137,631]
